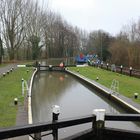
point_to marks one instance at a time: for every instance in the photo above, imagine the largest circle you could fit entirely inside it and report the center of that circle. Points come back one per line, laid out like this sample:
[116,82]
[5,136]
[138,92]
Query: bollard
[7,72]
[50,67]
[107,66]
[11,70]
[15,101]
[22,84]
[100,122]
[55,114]
[136,95]
[97,78]
[121,68]
[130,71]
[22,80]
[4,74]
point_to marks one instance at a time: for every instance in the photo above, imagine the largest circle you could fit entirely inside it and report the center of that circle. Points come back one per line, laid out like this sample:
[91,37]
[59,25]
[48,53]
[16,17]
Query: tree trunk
[11,55]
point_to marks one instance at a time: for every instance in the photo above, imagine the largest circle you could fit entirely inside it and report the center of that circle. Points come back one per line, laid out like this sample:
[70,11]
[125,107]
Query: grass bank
[127,85]
[10,87]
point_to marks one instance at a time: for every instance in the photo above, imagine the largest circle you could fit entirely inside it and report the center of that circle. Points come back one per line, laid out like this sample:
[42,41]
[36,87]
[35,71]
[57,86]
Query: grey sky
[109,15]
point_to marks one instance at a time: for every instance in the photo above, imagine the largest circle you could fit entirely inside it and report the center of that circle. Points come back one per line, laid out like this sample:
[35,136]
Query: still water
[74,99]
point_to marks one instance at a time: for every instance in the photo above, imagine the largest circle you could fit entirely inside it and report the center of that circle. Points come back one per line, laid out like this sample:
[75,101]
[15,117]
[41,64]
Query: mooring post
[107,66]
[55,114]
[100,122]
[121,68]
[15,101]
[130,69]
[22,82]
[50,67]
[136,95]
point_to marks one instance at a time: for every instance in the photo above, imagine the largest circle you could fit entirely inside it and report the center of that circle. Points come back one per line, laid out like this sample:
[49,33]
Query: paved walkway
[6,68]
[22,119]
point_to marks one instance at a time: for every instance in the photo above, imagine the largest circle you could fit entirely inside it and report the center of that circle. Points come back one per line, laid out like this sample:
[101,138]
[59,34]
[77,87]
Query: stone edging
[29,98]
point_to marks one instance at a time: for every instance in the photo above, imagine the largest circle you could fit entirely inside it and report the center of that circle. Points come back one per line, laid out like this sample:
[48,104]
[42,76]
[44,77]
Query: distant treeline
[29,32]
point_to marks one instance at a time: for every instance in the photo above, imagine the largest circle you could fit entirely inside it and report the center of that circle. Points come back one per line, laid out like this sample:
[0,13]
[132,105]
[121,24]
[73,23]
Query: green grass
[127,85]
[2,65]
[10,88]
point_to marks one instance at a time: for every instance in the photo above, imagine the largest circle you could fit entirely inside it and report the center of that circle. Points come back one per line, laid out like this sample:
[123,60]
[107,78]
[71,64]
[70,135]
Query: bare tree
[1,50]
[12,15]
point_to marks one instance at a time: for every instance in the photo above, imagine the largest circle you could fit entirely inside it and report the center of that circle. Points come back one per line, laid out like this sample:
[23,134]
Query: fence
[120,69]
[98,130]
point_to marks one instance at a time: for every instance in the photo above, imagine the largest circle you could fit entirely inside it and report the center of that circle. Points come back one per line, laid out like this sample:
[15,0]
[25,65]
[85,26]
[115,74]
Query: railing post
[55,114]
[100,122]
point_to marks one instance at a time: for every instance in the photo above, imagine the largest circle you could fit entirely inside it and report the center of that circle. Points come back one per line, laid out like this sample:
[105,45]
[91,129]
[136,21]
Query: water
[74,99]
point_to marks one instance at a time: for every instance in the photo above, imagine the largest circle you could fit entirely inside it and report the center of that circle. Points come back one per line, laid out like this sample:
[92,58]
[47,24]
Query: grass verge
[10,88]
[127,85]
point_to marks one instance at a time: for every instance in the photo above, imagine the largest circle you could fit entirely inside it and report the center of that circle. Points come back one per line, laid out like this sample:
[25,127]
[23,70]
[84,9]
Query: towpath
[22,115]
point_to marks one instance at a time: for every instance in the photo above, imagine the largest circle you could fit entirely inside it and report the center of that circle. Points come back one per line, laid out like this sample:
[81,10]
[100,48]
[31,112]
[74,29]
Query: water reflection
[74,98]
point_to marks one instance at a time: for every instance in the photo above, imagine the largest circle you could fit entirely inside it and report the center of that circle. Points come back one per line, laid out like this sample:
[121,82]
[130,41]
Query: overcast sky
[109,15]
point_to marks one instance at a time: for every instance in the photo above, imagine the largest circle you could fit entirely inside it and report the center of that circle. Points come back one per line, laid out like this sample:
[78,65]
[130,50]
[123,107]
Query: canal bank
[75,99]
[119,99]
